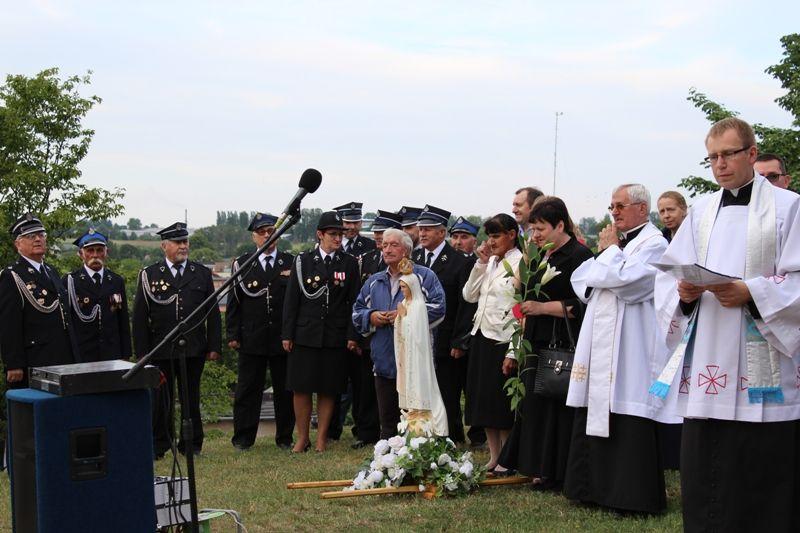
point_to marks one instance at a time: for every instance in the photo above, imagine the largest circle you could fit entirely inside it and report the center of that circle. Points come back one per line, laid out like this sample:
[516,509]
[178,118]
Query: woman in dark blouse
[541,437]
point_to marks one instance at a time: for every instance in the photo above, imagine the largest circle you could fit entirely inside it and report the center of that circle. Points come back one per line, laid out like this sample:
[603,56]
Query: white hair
[637,193]
[403,236]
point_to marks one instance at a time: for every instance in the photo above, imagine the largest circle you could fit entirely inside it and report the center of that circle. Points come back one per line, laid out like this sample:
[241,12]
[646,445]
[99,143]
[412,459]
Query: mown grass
[253,483]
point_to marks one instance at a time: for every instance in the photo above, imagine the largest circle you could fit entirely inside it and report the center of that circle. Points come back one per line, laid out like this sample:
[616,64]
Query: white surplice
[712,380]
[614,358]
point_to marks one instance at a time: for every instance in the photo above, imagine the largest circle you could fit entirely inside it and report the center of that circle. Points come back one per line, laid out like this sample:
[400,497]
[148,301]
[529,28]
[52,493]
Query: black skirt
[321,370]
[487,403]
[622,471]
[669,440]
[544,431]
[740,476]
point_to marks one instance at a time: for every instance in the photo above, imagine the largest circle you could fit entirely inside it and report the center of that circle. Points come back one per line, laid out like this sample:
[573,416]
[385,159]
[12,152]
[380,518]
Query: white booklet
[695,274]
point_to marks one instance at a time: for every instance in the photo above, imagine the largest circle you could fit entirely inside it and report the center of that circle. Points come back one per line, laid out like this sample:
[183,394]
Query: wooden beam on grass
[319,484]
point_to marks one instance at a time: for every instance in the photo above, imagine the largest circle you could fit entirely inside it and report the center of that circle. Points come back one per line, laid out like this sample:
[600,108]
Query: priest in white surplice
[734,371]
[614,459]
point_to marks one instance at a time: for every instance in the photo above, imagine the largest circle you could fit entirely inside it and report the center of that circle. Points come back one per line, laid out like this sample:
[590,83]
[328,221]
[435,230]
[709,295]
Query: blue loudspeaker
[81,463]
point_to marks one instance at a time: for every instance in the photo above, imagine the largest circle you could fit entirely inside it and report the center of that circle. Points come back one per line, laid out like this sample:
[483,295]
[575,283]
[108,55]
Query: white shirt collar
[323,254]
[34,264]
[172,268]
[92,272]
[263,257]
[436,251]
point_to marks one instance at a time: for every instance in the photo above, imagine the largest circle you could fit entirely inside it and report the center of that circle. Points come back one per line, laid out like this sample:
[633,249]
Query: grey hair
[404,238]
[637,192]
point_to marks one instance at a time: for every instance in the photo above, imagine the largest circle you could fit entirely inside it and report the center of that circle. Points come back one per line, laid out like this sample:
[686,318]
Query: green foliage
[533,273]
[42,142]
[216,385]
[134,223]
[784,142]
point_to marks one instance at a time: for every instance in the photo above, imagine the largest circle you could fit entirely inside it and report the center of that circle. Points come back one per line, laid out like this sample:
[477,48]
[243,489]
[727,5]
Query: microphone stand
[177,335]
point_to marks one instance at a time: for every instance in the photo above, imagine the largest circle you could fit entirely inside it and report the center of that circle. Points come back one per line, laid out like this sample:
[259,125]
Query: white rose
[443,459]
[374,465]
[399,474]
[433,466]
[397,442]
[402,427]
[417,441]
[381,447]
[388,460]
[375,476]
[466,469]
[402,452]
[452,465]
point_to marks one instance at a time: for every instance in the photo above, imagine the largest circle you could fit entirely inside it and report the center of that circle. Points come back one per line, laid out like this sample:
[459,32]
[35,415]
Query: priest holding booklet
[734,368]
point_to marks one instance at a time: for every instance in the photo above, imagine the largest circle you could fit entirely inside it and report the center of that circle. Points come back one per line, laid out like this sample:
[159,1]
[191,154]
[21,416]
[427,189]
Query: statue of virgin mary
[418,392]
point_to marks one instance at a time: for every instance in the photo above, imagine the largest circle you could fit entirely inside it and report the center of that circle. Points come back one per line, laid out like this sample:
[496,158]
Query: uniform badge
[29,286]
[340,276]
[116,301]
[163,287]
[41,301]
[316,278]
[86,300]
[191,267]
[286,273]
[308,281]
[314,285]
[444,258]
[30,270]
[44,292]
[336,282]
[161,268]
[280,261]
[255,283]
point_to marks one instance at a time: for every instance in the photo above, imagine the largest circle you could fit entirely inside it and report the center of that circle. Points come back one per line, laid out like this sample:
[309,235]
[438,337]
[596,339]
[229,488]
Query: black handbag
[554,365]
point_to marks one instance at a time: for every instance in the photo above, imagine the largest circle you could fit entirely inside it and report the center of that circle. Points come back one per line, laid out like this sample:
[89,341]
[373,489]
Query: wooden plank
[319,484]
[512,480]
[408,489]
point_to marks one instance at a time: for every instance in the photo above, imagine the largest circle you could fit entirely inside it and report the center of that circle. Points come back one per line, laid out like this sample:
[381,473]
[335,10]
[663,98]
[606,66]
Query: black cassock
[253,318]
[99,315]
[161,302]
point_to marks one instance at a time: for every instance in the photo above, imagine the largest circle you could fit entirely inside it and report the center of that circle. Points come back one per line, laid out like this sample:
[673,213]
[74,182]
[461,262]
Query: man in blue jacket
[374,313]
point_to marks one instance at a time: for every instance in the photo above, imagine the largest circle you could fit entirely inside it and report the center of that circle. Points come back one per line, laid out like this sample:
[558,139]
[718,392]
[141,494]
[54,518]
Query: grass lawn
[253,483]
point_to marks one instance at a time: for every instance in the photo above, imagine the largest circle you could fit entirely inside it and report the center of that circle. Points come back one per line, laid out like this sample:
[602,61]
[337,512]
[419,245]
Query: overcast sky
[221,105]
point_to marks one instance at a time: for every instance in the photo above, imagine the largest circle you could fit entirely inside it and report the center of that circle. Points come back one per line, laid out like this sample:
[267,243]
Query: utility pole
[555,152]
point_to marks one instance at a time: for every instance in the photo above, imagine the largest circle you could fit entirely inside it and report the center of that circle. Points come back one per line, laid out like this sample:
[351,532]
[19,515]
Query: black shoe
[357,445]
[284,446]
[509,472]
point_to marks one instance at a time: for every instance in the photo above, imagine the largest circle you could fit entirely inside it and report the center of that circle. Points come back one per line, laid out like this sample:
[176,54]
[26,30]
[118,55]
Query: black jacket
[256,321]
[369,263]
[452,268]
[30,337]
[361,245]
[156,312]
[108,335]
[327,320]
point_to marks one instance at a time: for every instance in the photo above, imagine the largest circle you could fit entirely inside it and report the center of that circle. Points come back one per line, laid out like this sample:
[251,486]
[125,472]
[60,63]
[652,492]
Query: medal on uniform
[444,258]
[44,292]
[314,285]
[86,300]
[41,301]
[29,286]
[316,278]
[255,283]
[339,276]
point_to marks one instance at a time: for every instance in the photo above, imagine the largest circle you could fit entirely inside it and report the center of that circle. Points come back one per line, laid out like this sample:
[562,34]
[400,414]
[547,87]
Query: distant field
[139,243]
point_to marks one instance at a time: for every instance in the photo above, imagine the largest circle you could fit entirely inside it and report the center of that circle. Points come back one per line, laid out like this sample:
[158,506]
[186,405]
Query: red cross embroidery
[712,380]
[686,380]
[743,383]
[777,279]
[672,327]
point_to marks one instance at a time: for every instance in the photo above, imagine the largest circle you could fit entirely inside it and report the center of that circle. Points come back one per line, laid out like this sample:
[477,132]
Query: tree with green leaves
[42,142]
[784,142]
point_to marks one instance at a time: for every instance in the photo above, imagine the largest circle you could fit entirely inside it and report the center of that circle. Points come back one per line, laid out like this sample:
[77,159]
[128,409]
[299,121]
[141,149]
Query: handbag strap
[566,321]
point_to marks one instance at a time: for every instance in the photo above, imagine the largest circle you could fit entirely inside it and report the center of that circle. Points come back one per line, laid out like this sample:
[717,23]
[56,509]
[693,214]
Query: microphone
[309,183]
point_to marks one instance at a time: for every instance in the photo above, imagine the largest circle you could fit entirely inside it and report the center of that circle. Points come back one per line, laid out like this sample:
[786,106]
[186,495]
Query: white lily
[549,273]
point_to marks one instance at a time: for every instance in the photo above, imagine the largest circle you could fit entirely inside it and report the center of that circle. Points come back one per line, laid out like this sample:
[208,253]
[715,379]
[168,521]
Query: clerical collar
[632,233]
[34,264]
[738,196]
[93,272]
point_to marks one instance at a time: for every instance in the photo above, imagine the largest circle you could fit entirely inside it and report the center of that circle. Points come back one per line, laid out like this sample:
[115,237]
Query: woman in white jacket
[490,364]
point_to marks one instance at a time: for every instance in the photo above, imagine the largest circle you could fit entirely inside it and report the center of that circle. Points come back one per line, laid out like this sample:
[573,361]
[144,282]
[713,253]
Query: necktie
[328,265]
[178,275]
[349,247]
[429,260]
[96,277]
[268,264]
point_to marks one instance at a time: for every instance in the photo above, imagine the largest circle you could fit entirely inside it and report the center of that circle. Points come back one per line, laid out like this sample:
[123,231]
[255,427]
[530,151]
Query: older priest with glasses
[734,372]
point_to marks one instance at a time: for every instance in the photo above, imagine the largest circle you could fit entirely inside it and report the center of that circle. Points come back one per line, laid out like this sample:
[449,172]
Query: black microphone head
[310,180]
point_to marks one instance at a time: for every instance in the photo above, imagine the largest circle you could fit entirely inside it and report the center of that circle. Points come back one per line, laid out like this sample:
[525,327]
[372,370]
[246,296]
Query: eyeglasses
[620,207]
[726,156]
[33,236]
[334,234]
[773,176]
[265,231]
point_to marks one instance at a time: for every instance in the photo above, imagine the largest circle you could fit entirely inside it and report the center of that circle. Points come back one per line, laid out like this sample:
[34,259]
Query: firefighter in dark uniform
[410,216]
[452,269]
[168,291]
[317,328]
[253,323]
[372,262]
[353,242]
[366,430]
[464,238]
[98,303]
[35,326]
